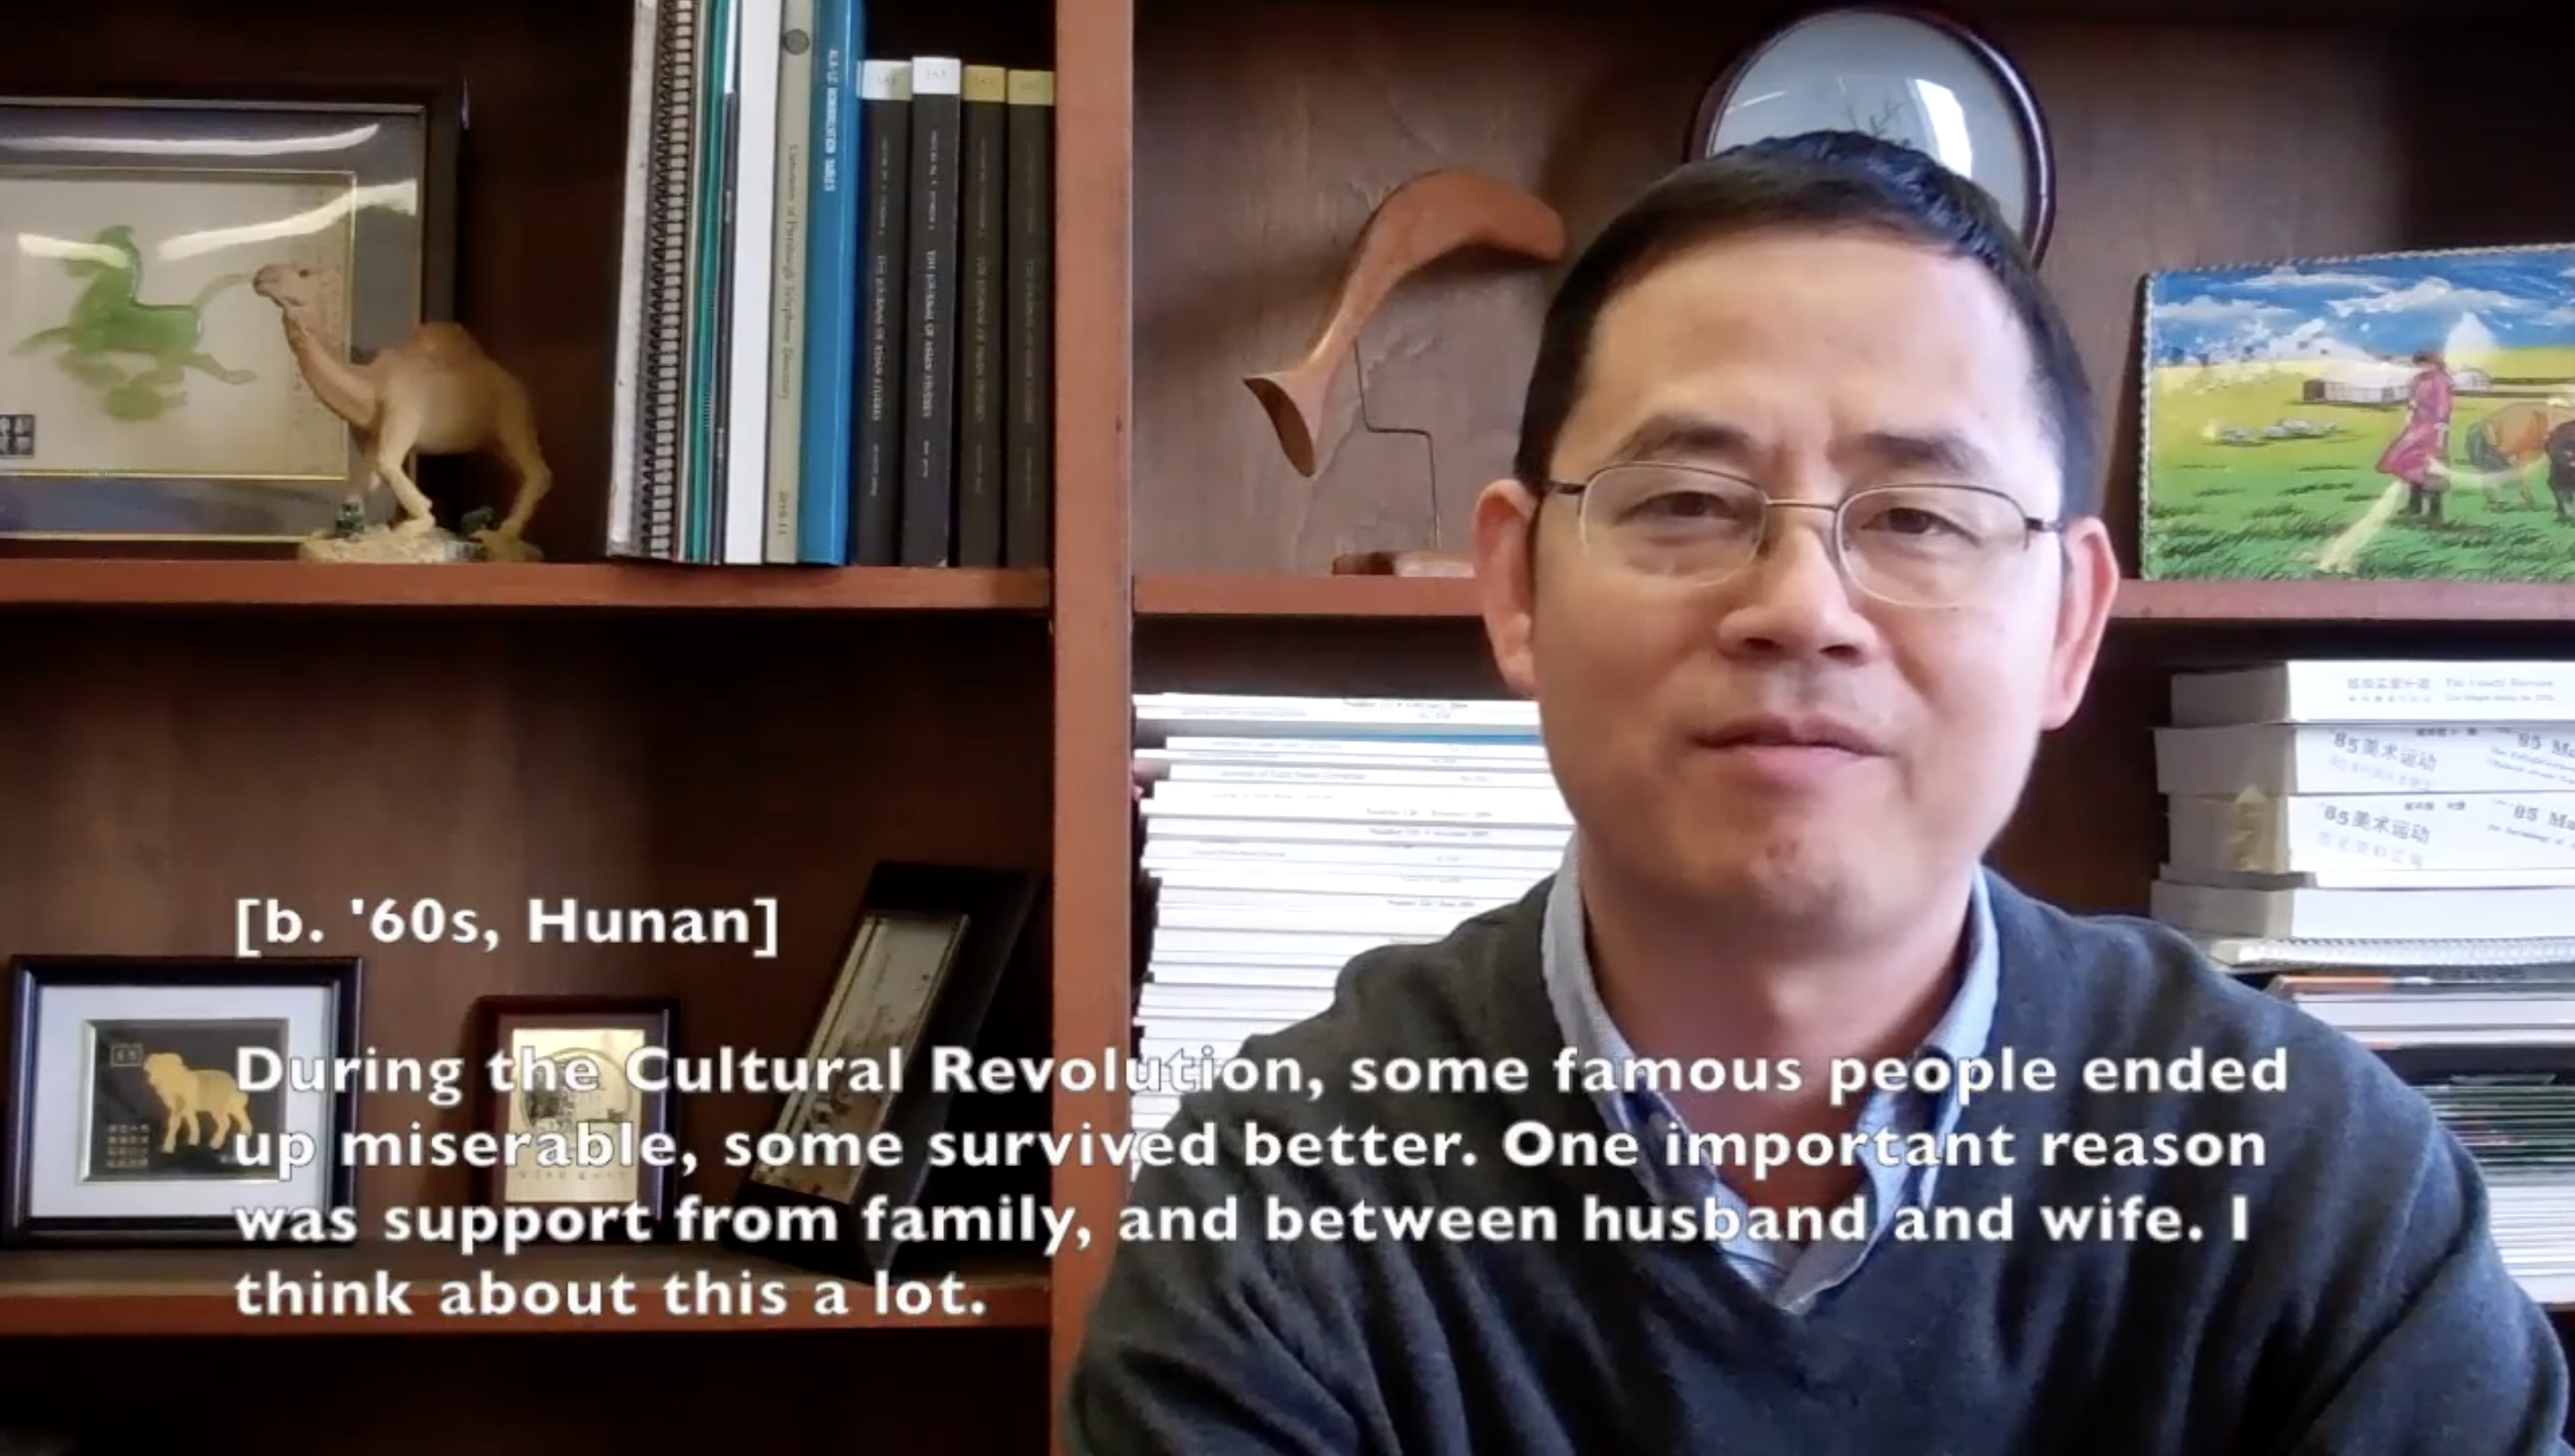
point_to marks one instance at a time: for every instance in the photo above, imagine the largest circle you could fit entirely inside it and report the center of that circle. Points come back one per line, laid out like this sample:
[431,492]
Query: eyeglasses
[1932,545]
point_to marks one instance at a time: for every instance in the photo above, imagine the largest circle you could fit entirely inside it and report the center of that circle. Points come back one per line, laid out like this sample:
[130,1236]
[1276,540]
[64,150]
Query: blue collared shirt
[1792,1277]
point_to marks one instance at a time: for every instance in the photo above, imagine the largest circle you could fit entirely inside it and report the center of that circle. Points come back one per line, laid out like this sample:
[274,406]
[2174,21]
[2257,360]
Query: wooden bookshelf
[183,733]
[537,587]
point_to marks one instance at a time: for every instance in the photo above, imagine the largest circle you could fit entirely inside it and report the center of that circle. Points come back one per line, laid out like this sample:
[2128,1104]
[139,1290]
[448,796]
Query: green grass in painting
[2249,480]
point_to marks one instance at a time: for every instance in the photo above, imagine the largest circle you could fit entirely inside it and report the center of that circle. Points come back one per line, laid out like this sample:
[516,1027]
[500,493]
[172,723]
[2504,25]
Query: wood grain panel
[156,767]
[1269,130]
[1334,656]
[945,1393]
[1266,134]
[1095,854]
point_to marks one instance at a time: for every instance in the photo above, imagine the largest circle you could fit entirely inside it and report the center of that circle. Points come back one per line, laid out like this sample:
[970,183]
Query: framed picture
[160,392]
[2395,415]
[570,1080]
[169,1100]
[922,964]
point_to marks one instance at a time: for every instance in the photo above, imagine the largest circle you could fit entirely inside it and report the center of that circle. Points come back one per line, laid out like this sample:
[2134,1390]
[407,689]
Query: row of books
[2492,1048]
[2391,846]
[835,342]
[1284,836]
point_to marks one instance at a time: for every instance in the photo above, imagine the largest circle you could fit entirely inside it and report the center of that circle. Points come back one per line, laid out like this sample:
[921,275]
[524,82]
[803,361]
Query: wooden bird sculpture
[1419,223]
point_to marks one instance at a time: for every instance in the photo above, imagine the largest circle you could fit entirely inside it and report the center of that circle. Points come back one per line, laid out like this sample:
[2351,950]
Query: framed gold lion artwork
[180,1101]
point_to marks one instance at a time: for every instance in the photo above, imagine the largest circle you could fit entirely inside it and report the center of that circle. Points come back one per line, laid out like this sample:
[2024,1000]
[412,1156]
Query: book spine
[2280,759]
[2305,833]
[2422,694]
[791,284]
[1516,808]
[662,362]
[709,208]
[885,119]
[980,251]
[1166,829]
[1531,777]
[831,286]
[751,283]
[626,420]
[1028,472]
[930,315]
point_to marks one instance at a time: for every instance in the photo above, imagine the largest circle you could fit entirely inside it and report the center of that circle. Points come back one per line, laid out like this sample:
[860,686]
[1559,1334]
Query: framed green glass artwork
[152,398]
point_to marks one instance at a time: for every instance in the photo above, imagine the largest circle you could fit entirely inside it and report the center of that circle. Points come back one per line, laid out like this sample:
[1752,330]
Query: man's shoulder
[2140,994]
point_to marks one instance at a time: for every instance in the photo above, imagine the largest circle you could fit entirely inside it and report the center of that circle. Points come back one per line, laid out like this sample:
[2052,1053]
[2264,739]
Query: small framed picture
[576,1101]
[919,973]
[180,1101]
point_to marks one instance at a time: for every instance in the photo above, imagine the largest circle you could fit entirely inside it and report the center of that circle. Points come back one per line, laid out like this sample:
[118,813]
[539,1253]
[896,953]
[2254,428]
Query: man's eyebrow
[1682,437]
[1936,452]
[1674,437]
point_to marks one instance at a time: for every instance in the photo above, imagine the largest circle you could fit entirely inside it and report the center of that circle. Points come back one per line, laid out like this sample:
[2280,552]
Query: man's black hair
[1828,182]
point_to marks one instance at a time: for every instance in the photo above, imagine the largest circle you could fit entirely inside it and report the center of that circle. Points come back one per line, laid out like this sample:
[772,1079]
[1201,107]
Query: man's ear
[2082,616]
[1507,579]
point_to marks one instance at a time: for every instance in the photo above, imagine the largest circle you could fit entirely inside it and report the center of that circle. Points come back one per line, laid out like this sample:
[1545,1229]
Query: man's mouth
[1792,731]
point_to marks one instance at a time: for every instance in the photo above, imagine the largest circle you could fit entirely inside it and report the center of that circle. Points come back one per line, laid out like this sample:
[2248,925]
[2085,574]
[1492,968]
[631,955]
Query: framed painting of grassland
[2404,415]
[153,399]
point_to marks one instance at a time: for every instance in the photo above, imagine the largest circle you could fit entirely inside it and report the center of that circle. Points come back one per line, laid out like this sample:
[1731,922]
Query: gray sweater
[2364,1311]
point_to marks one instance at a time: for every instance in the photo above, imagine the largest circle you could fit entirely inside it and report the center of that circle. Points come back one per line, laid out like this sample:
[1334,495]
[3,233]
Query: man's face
[1781,744]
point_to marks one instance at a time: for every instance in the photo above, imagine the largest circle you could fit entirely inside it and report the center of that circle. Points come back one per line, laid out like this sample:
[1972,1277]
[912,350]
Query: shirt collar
[1574,992]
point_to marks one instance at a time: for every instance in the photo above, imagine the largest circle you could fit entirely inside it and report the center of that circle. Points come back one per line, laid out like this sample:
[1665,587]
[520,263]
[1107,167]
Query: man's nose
[1793,600]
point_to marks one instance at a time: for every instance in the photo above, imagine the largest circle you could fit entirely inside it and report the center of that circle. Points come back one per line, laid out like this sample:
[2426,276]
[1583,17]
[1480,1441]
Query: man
[1801,558]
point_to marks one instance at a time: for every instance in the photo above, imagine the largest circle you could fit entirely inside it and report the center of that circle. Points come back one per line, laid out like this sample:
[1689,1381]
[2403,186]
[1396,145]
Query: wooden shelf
[2376,603]
[190,1292]
[636,586]
[1200,595]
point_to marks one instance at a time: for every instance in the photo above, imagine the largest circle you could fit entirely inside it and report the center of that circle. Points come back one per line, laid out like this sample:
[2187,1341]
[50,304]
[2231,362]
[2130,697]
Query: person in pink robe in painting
[2420,454]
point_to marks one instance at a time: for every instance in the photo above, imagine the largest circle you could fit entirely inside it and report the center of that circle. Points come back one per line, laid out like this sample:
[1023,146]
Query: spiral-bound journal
[651,441]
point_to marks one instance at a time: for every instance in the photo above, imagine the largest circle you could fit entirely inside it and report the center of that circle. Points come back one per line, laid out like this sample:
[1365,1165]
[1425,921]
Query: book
[748,283]
[875,507]
[2280,759]
[2426,918]
[980,245]
[929,315]
[2299,832]
[782,522]
[662,145]
[830,285]
[2376,690]
[703,386]
[626,492]
[1028,470]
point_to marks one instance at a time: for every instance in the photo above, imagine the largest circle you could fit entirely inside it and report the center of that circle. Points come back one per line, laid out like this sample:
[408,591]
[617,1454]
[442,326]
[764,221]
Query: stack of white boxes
[2403,801]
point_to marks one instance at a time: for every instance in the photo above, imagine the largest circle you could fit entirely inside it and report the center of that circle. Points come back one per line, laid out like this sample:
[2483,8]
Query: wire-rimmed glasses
[1928,544]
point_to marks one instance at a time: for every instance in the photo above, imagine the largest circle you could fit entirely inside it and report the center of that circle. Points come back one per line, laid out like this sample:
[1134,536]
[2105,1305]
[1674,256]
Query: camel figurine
[436,393]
